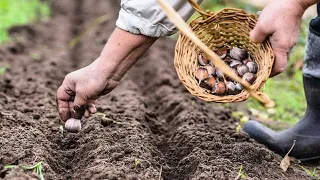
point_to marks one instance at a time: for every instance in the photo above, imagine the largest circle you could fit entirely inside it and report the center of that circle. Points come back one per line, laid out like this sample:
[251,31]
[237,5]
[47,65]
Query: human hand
[281,21]
[82,88]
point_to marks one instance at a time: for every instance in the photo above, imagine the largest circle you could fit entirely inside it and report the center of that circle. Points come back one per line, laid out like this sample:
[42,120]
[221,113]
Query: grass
[37,168]
[240,174]
[20,12]
[313,174]
[3,69]
[288,96]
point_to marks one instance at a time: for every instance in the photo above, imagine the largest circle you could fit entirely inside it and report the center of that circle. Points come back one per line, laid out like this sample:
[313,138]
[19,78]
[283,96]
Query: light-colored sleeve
[146,17]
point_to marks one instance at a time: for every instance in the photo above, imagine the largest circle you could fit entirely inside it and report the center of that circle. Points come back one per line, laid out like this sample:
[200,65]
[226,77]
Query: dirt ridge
[150,126]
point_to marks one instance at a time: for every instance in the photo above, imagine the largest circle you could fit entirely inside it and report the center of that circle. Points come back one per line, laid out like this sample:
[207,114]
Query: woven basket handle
[196,7]
[215,59]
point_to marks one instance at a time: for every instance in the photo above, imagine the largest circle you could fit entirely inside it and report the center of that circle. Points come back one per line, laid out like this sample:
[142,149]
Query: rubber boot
[307,131]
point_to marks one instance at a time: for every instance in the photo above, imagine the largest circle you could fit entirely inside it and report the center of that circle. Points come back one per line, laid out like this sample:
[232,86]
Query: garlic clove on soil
[73,125]
[203,60]
[238,53]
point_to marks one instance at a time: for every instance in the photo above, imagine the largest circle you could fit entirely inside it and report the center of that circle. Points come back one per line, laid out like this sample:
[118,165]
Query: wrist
[122,50]
[305,4]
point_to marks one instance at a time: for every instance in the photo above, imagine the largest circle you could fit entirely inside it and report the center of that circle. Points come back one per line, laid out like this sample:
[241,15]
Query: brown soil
[152,128]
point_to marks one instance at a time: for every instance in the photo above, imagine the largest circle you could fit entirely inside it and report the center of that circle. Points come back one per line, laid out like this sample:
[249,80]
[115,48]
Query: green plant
[136,162]
[313,174]
[288,96]
[242,119]
[241,174]
[35,56]
[19,13]
[37,168]
[3,69]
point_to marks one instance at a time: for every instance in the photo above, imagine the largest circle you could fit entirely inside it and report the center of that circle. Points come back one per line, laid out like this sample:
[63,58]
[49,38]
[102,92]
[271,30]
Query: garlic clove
[203,60]
[239,87]
[238,53]
[249,77]
[202,74]
[251,58]
[230,86]
[228,59]
[219,73]
[211,70]
[253,68]
[73,125]
[211,81]
[242,69]
[235,71]
[245,61]
[222,53]
[235,63]
[219,88]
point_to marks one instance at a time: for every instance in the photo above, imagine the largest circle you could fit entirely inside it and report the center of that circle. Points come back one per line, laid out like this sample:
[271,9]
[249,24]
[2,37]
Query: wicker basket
[226,28]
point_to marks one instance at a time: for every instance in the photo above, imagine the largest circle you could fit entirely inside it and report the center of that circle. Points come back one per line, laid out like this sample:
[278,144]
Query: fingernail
[259,12]
[78,111]
[282,69]
[252,36]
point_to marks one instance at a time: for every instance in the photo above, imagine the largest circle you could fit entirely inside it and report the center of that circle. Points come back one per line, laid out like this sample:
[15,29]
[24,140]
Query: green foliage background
[20,12]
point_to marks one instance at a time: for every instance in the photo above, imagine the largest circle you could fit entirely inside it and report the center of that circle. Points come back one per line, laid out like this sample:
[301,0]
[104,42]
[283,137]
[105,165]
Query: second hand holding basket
[229,27]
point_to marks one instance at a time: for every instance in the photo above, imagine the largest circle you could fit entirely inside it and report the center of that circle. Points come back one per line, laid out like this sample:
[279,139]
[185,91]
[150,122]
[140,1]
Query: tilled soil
[149,127]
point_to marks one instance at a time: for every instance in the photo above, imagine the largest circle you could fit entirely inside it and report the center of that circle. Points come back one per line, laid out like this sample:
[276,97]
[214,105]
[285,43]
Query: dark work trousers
[312,58]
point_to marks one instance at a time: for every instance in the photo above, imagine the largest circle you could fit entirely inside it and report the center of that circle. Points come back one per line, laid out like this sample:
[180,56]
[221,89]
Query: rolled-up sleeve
[146,17]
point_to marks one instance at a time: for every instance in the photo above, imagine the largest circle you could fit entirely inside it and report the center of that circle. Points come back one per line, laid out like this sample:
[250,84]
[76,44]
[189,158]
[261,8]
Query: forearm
[121,52]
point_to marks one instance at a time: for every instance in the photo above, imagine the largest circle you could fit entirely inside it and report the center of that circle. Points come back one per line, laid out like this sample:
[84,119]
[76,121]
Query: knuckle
[293,42]
[60,92]
[82,93]
[287,43]
[68,76]
[281,67]
[112,84]
[283,44]
[79,92]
